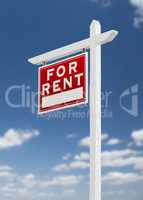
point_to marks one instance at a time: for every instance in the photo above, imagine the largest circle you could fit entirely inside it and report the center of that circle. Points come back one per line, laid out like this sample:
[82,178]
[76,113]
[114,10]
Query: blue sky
[47,157]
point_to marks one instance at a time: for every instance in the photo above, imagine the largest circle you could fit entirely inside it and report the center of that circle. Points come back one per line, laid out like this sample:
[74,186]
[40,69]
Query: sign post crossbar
[93,43]
[100,39]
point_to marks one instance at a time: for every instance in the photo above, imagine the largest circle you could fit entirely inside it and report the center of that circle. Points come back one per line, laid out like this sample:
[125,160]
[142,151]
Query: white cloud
[110,159]
[29,180]
[82,156]
[67,156]
[71,136]
[122,178]
[61,168]
[114,159]
[124,162]
[26,185]
[118,192]
[66,181]
[80,161]
[86,140]
[114,141]
[31,186]
[118,153]
[138,16]
[139,164]
[79,165]
[104,136]
[46,195]
[103,3]
[120,158]
[13,137]
[8,188]
[138,3]
[68,192]
[137,137]
[5,168]
[6,172]
[70,166]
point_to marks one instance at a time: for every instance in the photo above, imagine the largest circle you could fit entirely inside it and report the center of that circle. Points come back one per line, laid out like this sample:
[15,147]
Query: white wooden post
[94,43]
[95,112]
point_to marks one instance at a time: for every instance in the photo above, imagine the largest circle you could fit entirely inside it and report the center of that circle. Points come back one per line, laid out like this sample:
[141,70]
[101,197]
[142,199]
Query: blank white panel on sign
[63,97]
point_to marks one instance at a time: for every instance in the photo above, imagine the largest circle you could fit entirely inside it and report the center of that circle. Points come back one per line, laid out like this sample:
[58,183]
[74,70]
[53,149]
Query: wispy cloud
[82,156]
[29,180]
[79,161]
[119,178]
[110,159]
[137,137]
[6,172]
[122,158]
[64,181]
[138,15]
[16,137]
[71,136]
[86,140]
[76,164]
[68,192]
[103,3]
[33,186]
[114,141]
[5,168]
[137,4]
[104,136]
[66,156]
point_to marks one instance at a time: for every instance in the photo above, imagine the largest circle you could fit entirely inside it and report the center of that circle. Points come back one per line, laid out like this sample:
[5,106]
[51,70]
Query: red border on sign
[69,104]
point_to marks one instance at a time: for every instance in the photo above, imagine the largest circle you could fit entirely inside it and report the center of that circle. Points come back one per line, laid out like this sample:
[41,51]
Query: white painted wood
[93,43]
[72,48]
[95,112]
